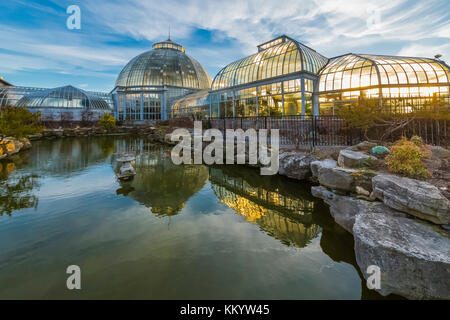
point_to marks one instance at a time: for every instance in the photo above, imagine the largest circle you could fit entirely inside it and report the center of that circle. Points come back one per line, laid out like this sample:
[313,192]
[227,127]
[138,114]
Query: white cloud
[323,24]
[427,51]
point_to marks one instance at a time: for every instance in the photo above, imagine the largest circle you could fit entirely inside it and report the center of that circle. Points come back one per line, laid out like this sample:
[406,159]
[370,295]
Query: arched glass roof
[278,57]
[165,65]
[63,97]
[354,71]
[198,98]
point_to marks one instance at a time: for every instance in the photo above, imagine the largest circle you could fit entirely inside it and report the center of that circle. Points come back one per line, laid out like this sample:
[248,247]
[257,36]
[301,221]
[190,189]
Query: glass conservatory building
[283,78]
[286,78]
[401,84]
[63,103]
[150,83]
[278,80]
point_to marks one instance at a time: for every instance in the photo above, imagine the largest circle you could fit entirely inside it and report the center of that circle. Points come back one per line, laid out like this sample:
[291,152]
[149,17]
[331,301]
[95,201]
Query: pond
[173,232]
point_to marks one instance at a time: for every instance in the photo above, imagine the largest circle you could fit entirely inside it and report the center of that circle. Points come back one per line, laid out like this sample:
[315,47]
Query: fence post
[314,128]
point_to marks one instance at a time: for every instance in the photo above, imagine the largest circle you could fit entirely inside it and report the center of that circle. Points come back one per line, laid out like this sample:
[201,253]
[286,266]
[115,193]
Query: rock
[26,143]
[440,152]
[414,258]
[363,179]
[327,152]
[362,191]
[316,165]
[10,146]
[364,146]
[344,209]
[337,178]
[168,139]
[126,171]
[415,197]
[353,159]
[36,136]
[69,132]
[380,151]
[295,165]
[58,132]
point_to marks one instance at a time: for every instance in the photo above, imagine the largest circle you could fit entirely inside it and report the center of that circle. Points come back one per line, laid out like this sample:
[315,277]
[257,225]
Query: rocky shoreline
[398,224]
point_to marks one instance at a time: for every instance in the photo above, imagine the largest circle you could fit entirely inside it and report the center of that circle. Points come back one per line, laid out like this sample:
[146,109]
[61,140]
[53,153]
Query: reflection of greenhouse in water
[159,184]
[280,214]
[70,154]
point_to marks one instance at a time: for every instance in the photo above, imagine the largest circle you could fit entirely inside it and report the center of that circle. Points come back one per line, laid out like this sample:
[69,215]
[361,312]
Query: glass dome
[63,97]
[277,57]
[165,65]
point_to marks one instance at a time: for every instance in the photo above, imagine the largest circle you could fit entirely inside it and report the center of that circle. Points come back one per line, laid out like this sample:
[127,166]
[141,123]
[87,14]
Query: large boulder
[316,165]
[10,146]
[337,178]
[413,256]
[344,209]
[415,197]
[354,159]
[295,165]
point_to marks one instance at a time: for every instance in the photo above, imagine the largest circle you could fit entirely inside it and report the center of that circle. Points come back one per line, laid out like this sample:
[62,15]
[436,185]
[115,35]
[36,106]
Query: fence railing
[328,130]
[295,130]
[432,131]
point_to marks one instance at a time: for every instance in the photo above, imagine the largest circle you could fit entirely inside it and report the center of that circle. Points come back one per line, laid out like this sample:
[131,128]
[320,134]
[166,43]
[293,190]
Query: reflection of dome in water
[164,186]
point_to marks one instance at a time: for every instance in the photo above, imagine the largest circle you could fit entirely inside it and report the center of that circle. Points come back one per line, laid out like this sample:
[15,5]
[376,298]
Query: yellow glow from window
[428,91]
[365,80]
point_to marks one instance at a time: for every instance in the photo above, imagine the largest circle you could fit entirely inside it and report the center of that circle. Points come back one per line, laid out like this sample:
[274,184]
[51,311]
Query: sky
[38,49]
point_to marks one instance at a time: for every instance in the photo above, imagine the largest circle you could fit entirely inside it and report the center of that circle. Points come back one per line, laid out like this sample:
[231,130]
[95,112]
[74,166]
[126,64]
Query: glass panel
[293,103]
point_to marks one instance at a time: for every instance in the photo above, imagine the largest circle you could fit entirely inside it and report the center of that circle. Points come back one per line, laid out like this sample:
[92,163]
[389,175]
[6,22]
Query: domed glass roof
[277,57]
[63,97]
[165,65]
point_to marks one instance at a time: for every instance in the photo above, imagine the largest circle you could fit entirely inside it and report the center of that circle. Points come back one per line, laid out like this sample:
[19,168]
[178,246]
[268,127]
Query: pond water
[173,232]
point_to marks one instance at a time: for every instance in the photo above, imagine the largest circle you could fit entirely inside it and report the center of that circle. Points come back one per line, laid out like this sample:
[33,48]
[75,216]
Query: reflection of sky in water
[126,251]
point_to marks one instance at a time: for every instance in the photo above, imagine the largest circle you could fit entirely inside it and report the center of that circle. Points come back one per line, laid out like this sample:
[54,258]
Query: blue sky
[37,49]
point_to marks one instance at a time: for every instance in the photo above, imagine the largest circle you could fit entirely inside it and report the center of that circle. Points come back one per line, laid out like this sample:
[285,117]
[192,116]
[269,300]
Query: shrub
[406,158]
[19,122]
[362,114]
[107,121]
[417,141]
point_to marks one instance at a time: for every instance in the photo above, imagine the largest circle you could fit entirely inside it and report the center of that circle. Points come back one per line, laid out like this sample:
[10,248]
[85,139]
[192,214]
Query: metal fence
[434,132]
[295,130]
